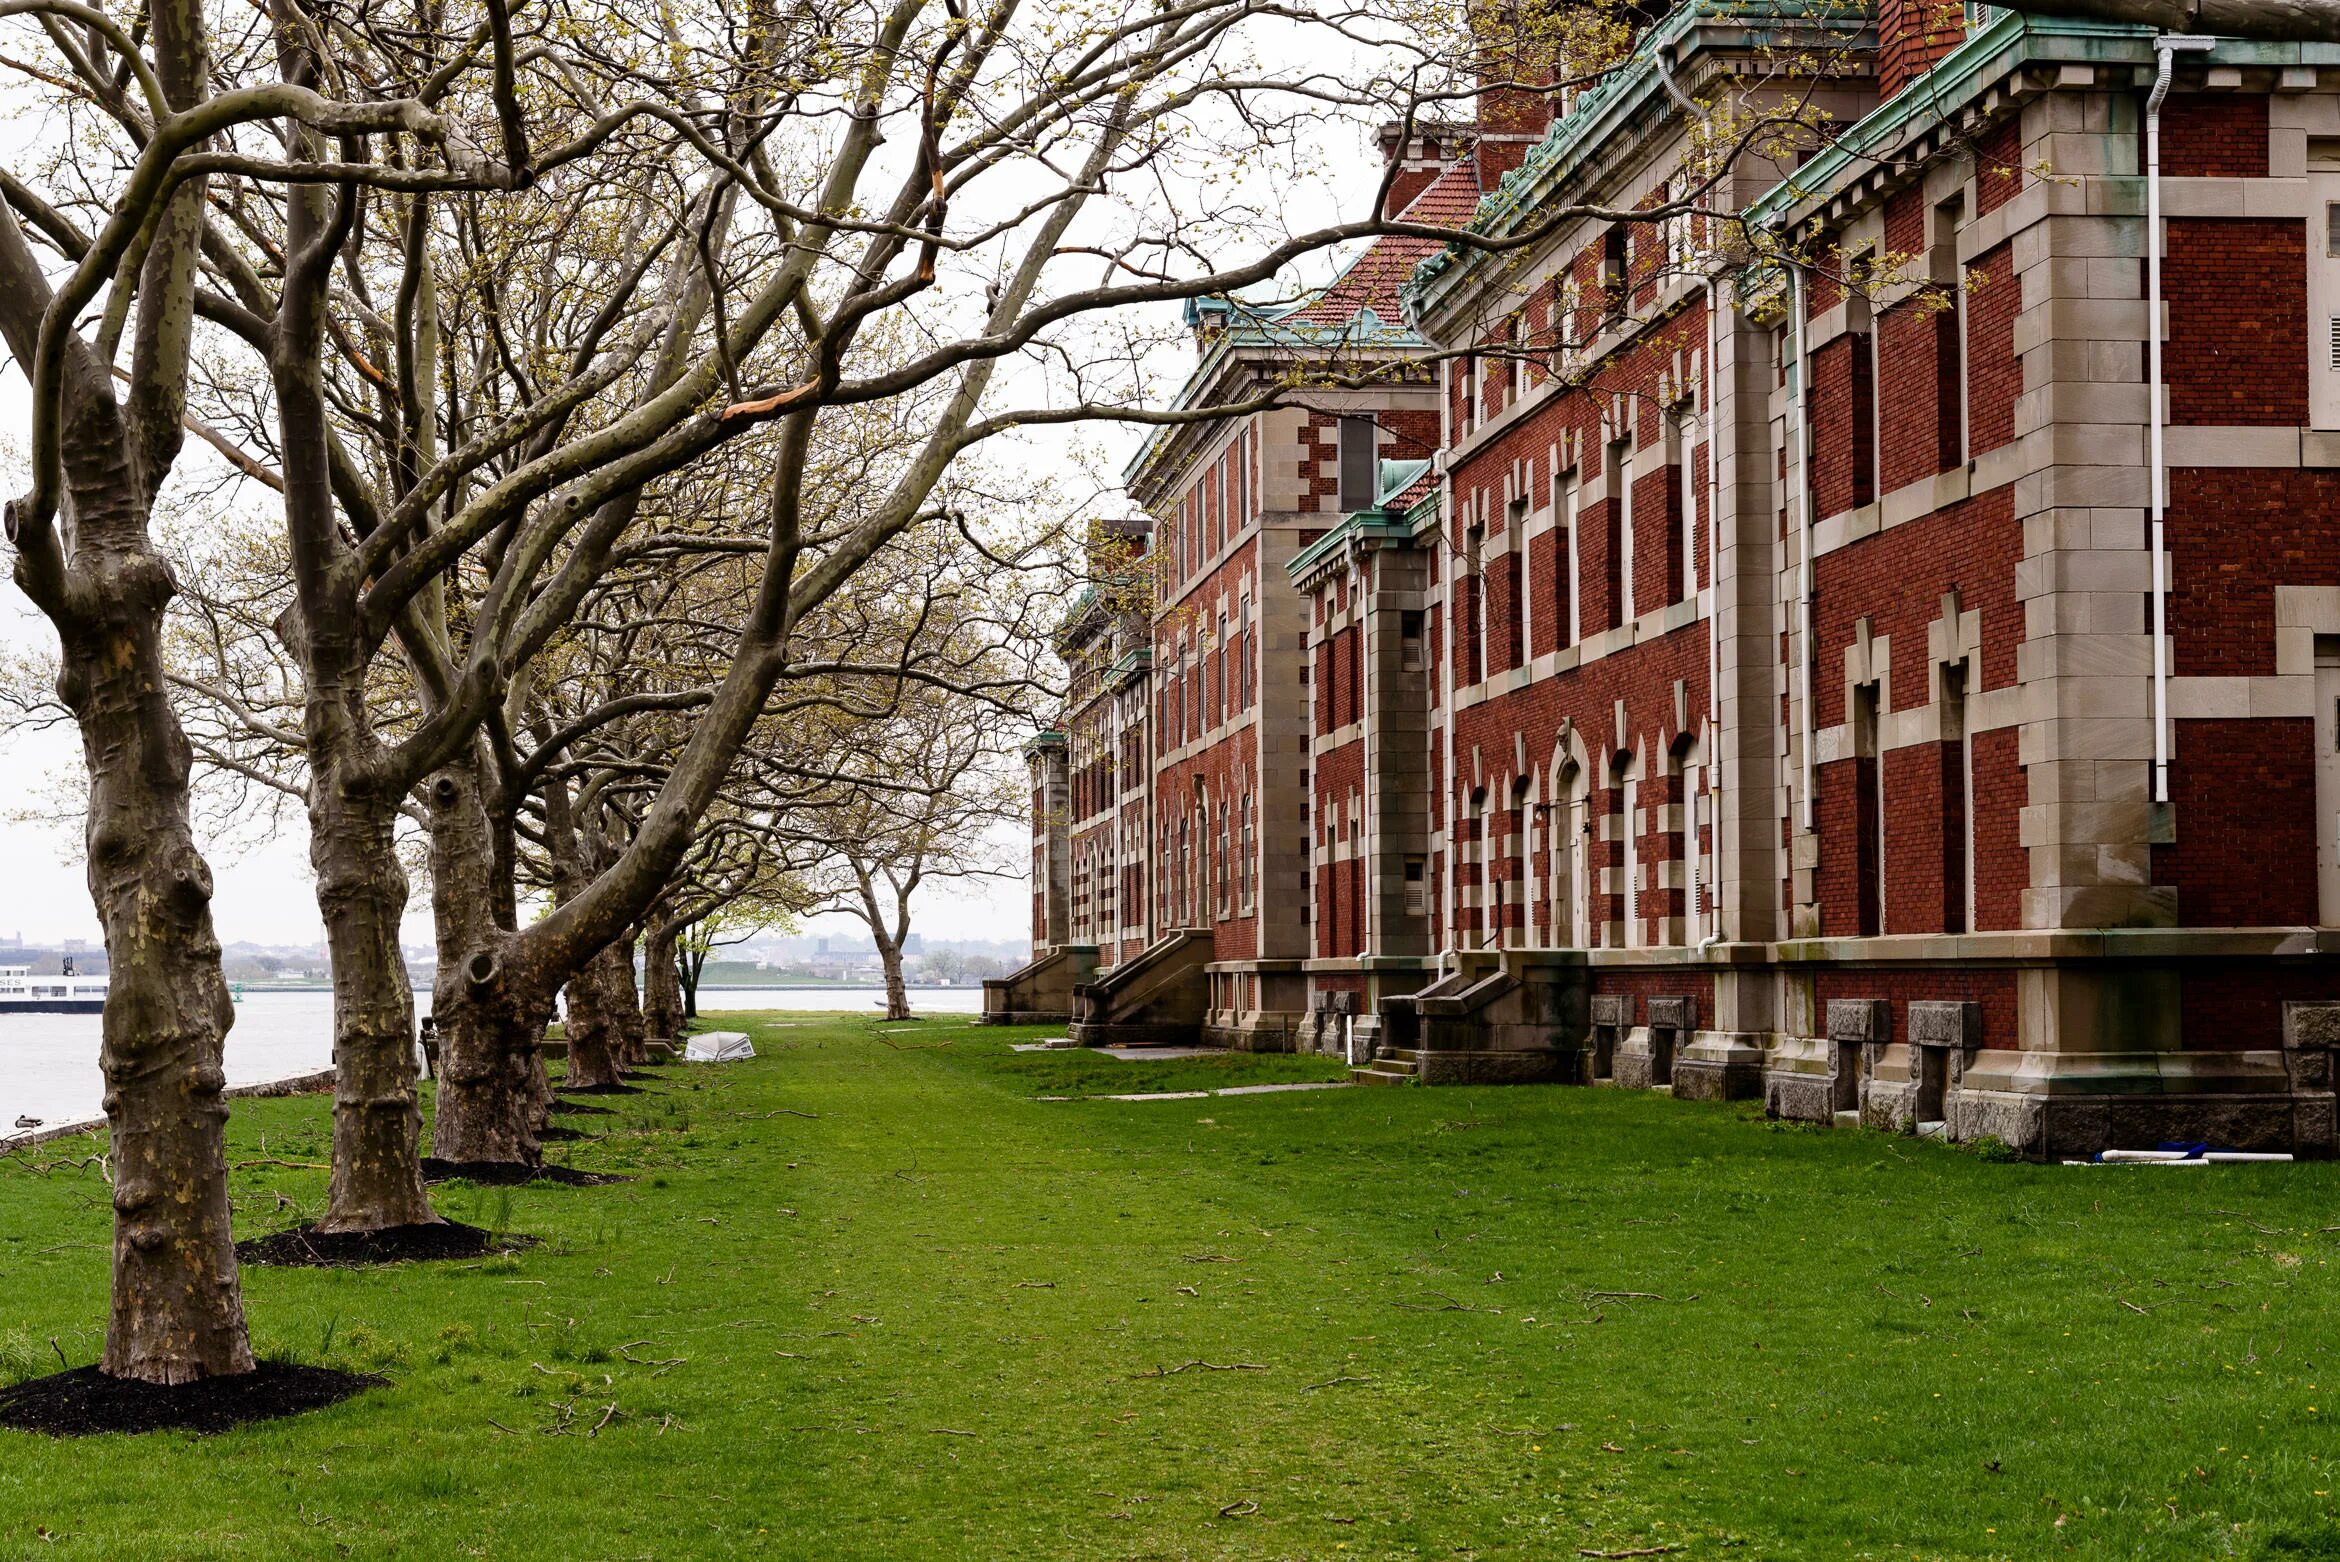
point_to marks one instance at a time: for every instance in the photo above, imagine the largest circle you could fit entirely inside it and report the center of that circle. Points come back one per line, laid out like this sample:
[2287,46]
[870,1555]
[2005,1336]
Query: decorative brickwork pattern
[2234,534]
[2214,135]
[1994,375]
[2237,348]
[2244,792]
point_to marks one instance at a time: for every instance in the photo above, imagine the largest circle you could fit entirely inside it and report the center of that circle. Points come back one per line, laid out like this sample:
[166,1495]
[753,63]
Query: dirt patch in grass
[84,1401]
[308,1248]
[511,1174]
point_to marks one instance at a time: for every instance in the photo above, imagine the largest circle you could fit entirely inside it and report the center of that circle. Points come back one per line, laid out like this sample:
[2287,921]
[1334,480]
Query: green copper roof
[1524,189]
[1379,521]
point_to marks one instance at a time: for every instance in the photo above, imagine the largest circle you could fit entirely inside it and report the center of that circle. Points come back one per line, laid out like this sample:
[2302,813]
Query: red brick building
[1780,680]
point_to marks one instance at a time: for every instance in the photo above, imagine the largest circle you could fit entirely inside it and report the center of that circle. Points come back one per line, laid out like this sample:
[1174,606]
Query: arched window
[1570,820]
[1515,851]
[1478,860]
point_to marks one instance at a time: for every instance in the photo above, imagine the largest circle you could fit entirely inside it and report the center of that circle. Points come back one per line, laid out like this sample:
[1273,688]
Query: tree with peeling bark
[86,555]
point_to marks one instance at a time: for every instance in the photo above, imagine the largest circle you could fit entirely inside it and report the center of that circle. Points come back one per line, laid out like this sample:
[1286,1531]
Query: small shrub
[22,1357]
[1992,1148]
[371,1350]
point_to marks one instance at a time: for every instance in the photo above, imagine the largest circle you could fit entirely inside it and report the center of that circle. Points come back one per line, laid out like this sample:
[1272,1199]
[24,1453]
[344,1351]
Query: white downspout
[1713,856]
[1447,910]
[2165,46]
[1797,398]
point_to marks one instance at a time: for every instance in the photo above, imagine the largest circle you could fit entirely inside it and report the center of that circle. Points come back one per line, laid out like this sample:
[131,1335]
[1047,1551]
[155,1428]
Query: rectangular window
[1957,825]
[1360,457]
[1473,627]
[1417,887]
[1410,658]
[1869,814]
[1515,644]
[1567,590]
[1620,582]
[1686,534]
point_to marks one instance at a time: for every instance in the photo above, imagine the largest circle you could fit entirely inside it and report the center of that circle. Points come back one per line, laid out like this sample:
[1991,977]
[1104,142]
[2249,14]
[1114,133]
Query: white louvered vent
[2333,331]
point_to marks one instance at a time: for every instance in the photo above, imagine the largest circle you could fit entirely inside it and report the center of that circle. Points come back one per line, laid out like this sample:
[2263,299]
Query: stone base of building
[1135,1033]
[2058,1127]
[1260,1031]
[1507,1066]
[1720,1067]
[1025,1017]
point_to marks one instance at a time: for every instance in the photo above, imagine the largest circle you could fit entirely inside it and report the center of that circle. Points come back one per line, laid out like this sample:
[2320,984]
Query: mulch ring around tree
[308,1248]
[579,1109]
[511,1174]
[85,1401]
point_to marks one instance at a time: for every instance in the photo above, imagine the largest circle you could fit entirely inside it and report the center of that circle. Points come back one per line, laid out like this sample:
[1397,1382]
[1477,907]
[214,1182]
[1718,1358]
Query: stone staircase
[1398,1066]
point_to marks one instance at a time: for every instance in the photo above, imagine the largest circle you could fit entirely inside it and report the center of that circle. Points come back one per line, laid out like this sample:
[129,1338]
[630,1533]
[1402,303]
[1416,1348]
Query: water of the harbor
[49,1062]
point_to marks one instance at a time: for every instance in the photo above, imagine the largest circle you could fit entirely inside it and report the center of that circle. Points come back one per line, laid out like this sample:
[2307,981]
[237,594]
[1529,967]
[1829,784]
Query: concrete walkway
[1199,1095]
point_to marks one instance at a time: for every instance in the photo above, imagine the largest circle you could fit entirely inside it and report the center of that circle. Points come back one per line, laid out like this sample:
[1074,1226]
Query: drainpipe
[2165,47]
[1713,619]
[1447,910]
[1798,396]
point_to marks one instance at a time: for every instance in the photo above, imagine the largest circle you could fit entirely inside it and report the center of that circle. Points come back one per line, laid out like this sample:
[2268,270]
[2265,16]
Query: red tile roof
[1371,280]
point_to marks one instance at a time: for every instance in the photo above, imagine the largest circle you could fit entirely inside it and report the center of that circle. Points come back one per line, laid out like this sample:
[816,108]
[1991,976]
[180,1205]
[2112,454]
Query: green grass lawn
[866,1301]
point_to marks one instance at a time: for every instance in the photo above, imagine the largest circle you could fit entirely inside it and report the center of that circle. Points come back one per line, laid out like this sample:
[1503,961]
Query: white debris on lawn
[719,1046]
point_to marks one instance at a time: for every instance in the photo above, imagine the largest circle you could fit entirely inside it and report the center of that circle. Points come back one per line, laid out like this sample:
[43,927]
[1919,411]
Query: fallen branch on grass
[1638,1551]
[1200,1366]
[1446,1304]
[287,1165]
[1329,1382]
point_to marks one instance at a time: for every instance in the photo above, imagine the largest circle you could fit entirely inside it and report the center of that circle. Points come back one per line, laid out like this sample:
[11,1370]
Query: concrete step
[1383,1071]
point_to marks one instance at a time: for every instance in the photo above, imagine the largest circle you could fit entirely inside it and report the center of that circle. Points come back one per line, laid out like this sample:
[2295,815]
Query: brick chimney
[1432,148]
[1911,36]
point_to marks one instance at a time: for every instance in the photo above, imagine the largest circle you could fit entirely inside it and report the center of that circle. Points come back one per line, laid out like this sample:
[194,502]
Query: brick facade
[1756,696]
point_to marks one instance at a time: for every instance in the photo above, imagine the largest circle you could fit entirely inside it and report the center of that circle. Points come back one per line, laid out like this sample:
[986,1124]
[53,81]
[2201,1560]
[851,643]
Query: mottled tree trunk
[633,1031]
[661,985]
[353,801]
[492,1091]
[590,1025]
[377,1120]
[177,1312]
[897,990]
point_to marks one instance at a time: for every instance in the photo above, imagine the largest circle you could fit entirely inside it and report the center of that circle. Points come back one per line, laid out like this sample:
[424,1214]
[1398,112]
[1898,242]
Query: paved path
[1198,1095]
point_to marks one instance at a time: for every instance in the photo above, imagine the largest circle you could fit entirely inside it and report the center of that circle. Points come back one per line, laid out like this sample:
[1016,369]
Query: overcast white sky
[264,892]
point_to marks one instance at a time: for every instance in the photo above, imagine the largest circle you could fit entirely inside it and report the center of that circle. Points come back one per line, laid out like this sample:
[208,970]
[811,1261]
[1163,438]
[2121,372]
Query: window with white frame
[1686,439]
[1567,556]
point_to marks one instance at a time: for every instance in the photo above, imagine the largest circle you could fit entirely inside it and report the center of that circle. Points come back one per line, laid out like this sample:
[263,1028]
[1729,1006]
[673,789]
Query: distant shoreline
[248,989]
